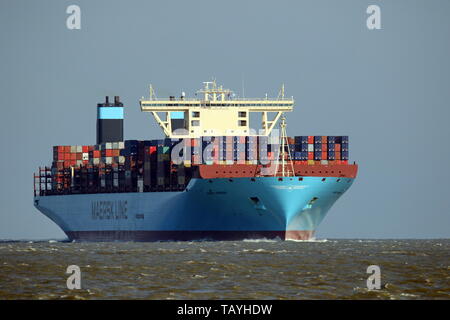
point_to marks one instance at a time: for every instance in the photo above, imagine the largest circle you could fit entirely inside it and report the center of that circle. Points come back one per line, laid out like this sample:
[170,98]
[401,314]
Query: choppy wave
[250,269]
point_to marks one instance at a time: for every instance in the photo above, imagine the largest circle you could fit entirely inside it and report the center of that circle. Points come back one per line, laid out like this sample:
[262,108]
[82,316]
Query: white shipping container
[85,156]
[108,160]
[310,147]
[79,149]
[323,161]
[96,160]
[121,159]
[73,149]
[115,145]
[108,145]
[121,145]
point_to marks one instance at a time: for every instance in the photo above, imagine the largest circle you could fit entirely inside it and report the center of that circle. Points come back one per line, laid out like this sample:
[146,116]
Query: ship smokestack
[110,121]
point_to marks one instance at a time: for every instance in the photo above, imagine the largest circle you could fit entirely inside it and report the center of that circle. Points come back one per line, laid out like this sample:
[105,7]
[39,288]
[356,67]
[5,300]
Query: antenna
[152,93]
[281,92]
[243,89]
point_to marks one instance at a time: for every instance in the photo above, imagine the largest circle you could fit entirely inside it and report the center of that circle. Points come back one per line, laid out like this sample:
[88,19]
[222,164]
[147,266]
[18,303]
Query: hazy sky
[387,89]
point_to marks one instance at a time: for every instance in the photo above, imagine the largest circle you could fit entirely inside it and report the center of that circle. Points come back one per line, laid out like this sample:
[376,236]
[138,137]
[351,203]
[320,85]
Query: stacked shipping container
[320,149]
[138,166]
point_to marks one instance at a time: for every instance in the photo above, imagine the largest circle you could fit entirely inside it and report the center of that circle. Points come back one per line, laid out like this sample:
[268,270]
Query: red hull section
[244,170]
[187,235]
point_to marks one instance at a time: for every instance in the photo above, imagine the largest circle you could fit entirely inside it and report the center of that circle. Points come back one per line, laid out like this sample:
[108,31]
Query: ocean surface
[254,269]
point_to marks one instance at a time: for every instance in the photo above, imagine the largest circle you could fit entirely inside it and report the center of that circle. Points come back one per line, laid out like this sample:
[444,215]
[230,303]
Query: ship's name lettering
[109,210]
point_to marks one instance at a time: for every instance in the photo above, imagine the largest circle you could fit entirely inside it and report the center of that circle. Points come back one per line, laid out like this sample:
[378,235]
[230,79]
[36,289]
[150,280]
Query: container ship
[212,177]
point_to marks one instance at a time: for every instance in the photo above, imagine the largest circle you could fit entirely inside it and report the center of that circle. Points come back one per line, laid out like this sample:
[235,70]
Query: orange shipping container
[337,147]
[324,139]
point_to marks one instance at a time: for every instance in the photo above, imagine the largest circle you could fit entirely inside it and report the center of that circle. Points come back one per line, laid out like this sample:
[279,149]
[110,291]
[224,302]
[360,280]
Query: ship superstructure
[217,112]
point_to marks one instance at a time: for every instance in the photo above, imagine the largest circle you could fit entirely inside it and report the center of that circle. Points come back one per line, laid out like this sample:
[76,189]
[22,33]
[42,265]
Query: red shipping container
[73,156]
[337,155]
[324,139]
[96,154]
[337,147]
[69,163]
[66,148]
[152,149]
[108,153]
[60,149]
[310,155]
[324,155]
[85,161]
[79,156]
[85,148]
[116,152]
[91,148]
[311,139]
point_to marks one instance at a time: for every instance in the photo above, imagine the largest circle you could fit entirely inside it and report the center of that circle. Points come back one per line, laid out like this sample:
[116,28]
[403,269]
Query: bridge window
[242,123]
[196,114]
[242,114]
[195,123]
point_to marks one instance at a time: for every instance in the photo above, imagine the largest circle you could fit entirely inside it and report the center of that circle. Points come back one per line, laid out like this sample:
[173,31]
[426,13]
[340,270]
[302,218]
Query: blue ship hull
[216,209]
